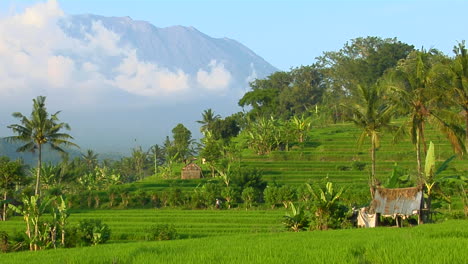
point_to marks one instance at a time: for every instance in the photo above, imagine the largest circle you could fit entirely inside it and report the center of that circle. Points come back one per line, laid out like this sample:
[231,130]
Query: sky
[290,33]
[286,33]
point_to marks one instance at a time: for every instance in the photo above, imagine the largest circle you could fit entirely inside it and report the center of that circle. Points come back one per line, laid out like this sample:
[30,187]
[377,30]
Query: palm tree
[38,130]
[209,118]
[416,96]
[372,112]
[90,158]
[459,69]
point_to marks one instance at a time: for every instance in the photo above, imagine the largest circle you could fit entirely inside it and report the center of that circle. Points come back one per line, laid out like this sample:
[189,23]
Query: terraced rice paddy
[332,150]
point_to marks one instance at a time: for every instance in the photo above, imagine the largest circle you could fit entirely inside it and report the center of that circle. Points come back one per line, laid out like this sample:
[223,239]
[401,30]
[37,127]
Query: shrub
[358,165]
[161,232]
[343,168]
[248,196]
[4,241]
[271,196]
[93,231]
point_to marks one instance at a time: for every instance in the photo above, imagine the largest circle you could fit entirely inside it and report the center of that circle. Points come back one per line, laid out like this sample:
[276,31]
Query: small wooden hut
[191,171]
[398,203]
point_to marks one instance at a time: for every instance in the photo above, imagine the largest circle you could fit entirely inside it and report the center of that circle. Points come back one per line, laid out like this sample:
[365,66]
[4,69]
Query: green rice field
[210,236]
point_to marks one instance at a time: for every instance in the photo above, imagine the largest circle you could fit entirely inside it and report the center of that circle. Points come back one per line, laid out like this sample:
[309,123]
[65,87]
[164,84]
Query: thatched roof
[191,171]
[191,167]
[398,201]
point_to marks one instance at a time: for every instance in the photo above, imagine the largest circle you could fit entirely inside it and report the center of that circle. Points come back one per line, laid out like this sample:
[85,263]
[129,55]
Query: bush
[358,165]
[4,241]
[271,196]
[93,231]
[161,232]
[343,168]
[248,196]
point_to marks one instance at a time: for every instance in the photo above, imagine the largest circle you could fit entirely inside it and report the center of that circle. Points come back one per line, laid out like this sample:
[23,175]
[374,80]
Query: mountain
[175,47]
[119,82]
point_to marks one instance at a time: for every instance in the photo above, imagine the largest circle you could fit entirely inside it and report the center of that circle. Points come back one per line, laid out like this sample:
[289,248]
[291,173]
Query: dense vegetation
[375,113]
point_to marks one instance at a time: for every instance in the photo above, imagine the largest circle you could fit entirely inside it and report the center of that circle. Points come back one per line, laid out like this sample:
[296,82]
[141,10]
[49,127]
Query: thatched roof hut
[191,171]
[397,201]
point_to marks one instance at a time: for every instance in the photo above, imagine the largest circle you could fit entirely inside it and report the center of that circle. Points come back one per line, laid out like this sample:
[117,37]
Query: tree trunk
[466,129]
[63,236]
[373,159]
[4,206]
[111,199]
[39,166]
[418,157]
[372,181]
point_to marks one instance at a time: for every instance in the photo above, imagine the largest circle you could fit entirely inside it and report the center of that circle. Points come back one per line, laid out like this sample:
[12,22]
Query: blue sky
[289,33]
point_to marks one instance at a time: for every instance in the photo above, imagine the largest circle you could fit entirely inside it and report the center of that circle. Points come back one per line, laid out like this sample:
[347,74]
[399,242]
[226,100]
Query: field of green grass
[131,224]
[431,243]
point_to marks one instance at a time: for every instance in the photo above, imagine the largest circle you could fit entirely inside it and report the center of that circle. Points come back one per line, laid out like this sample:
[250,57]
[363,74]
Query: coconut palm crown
[40,129]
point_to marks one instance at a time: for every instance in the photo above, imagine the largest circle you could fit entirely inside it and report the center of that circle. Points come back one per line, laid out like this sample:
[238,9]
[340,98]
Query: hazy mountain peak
[87,64]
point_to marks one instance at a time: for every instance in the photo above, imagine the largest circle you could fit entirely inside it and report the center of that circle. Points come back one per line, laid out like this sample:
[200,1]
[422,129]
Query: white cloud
[147,79]
[40,14]
[59,71]
[39,58]
[217,78]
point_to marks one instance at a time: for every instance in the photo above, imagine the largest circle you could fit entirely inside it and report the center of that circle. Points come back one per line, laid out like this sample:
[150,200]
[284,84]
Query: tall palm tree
[38,130]
[416,94]
[209,118]
[459,69]
[372,112]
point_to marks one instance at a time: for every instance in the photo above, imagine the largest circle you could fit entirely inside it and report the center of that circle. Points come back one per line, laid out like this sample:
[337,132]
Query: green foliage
[271,196]
[399,178]
[182,141]
[93,231]
[4,245]
[286,194]
[296,220]
[32,209]
[358,165]
[285,94]
[249,195]
[327,211]
[248,177]
[230,195]
[161,232]
[11,175]
[38,130]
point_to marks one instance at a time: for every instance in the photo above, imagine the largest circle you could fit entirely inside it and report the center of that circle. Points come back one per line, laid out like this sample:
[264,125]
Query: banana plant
[297,219]
[32,210]
[432,174]
[325,202]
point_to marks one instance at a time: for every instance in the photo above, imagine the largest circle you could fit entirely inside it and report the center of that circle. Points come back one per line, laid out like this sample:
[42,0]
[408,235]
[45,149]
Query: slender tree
[459,87]
[11,175]
[91,159]
[40,129]
[372,112]
[208,118]
[417,97]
